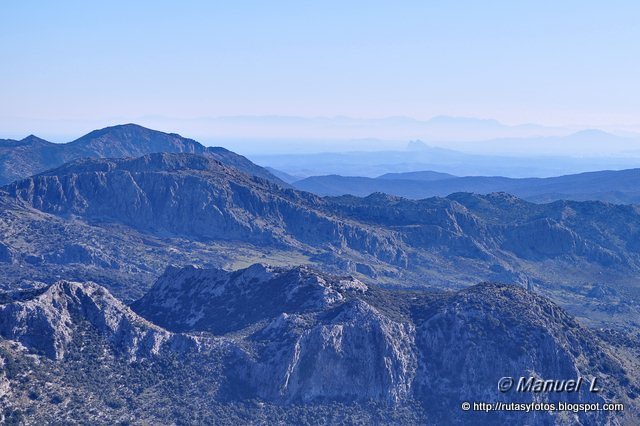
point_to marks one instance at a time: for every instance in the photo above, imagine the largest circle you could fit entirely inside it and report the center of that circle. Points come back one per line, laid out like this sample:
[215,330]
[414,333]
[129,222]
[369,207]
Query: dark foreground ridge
[261,341]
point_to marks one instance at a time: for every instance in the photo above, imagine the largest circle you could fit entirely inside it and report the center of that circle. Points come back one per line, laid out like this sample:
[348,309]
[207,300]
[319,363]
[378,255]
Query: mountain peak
[120,141]
[593,135]
[134,139]
[119,132]
[48,322]
[222,301]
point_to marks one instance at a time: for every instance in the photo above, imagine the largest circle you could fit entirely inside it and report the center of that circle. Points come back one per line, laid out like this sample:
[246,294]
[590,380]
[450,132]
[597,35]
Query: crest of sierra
[285,306]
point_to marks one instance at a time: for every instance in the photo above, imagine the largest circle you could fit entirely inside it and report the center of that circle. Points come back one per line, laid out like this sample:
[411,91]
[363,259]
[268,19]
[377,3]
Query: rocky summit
[298,336]
[47,323]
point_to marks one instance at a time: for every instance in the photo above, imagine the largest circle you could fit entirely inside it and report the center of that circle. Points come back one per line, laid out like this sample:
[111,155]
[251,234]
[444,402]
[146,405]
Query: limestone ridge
[215,300]
[321,336]
[47,323]
[487,226]
[197,197]
[296,335]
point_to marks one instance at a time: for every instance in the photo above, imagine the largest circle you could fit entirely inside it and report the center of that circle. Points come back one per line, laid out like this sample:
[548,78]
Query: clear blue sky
[551,62]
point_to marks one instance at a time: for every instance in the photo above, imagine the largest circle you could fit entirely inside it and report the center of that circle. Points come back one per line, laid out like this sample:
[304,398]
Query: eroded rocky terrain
[126,294]
[122,221]
[323,343]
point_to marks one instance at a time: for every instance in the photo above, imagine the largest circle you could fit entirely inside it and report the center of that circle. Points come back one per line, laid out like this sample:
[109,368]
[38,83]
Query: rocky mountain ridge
[615,186]
[46,324]
[121,221]
[197,197]
[203,299]
[329,338]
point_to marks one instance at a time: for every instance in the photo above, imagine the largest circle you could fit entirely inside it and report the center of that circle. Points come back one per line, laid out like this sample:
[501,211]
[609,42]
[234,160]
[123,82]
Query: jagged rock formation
[351,353]
[291,336]
[47,323]
[298,336]
[344,340]
[317,340]
[219,301]
[32,155]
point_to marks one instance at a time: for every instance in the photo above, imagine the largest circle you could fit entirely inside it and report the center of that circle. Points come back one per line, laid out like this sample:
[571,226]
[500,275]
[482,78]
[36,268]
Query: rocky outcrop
[188,299]
[49,322]
[314,337]
[467,342]
[352,353]
[297,336]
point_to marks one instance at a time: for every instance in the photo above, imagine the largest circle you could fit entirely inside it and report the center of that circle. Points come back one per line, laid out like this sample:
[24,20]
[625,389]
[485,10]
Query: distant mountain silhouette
[32,155]
[621,187]
[426,176]
[541,156]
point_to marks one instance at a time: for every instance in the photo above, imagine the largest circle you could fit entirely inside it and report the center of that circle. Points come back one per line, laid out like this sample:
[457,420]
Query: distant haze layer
[304,135]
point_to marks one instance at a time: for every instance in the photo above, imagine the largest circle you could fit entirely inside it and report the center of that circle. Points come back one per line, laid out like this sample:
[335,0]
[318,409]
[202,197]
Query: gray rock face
[316,337]
[197,197]
[297,336]
[317,340]
[185,299]
[352,353]
[47,323]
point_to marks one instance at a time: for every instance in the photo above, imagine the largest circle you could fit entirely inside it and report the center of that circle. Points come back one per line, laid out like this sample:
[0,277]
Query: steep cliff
[197,197]
[298,336]
[48,322]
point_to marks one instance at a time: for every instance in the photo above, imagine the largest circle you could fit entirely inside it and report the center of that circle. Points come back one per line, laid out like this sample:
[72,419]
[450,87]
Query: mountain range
[418,156]
[32,155]
[323,344]
[186,286]
[117,221]
[621,186]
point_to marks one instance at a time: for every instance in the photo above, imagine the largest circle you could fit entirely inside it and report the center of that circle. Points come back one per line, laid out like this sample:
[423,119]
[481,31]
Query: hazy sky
[550,62]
